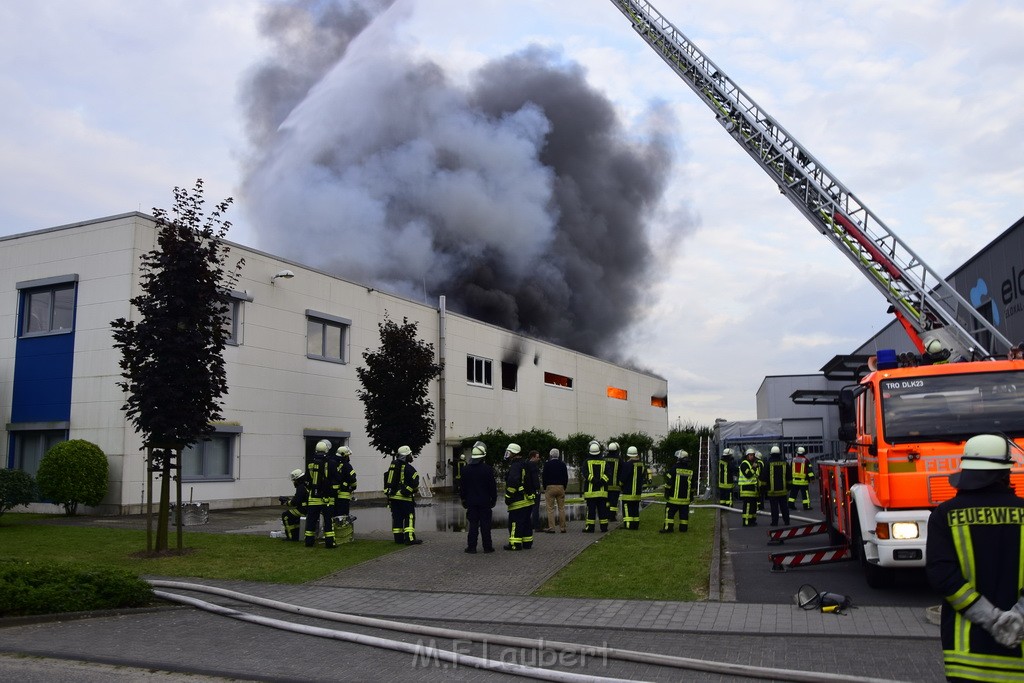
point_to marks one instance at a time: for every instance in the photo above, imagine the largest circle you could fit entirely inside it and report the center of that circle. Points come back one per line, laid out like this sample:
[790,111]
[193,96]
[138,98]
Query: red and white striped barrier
[780,561]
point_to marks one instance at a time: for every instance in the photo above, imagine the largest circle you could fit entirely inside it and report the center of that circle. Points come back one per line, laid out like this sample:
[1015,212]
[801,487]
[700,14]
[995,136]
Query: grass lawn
[643,564]
[242,557]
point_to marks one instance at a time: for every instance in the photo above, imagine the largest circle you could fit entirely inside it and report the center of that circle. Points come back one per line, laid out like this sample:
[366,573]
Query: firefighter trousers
[597,511]
[630,514]
[799,495]
[672,510]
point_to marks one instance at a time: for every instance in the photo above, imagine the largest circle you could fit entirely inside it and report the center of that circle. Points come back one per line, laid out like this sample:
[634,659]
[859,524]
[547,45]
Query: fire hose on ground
[437,654]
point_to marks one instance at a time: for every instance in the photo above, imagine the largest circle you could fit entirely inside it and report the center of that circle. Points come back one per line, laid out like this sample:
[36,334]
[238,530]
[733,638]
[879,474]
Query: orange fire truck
[905,426]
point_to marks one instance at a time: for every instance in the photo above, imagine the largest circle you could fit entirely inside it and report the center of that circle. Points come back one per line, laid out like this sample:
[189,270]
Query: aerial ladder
[925,304]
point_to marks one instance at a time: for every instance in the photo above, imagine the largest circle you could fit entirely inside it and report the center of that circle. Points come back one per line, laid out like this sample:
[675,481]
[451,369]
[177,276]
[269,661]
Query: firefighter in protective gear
[803,475]
[519,497]
[296,506]
[975,555]
[775,480]
[320,501]
[612,464]
[759,465]
[632,479]
[595,489]
[401,482]
[679,487]
[726,478]
[749,484]
[343,480]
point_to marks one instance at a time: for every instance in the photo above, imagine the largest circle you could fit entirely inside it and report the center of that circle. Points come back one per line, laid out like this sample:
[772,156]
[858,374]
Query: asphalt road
[748,551]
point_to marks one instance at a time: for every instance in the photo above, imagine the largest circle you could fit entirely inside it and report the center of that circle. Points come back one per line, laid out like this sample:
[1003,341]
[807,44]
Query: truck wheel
[877,577]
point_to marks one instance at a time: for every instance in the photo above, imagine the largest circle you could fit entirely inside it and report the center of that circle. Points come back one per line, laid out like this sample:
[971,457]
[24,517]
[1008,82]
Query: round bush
[16,488]
[73,472]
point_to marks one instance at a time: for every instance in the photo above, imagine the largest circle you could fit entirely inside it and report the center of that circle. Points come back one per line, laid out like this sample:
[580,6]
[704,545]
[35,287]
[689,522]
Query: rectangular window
[48,310]
[233,308]
[555,380]
[209,460]
[478,371]
[659,401]
[509,376]
[615,392]
[327,337]
[31,445]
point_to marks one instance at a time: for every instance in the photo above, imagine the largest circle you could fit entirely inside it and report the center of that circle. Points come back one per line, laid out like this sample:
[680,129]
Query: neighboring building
[992,281]
[296,341]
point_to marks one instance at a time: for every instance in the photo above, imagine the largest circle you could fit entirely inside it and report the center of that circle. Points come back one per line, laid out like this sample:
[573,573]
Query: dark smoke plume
[520,196]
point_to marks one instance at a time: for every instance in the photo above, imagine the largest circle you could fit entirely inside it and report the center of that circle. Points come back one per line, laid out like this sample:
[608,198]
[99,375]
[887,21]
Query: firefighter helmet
[727,451]
[344,451]
[775,451]
[613,446]
[986,460]
[595,448]
[323,445]
[479,450]
[404,451]
[800,450]
[296,474]
[680,454]
[632,452]
[512,449]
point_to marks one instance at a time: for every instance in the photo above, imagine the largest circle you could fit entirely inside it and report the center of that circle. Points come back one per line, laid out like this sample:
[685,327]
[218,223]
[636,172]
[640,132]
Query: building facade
[297,337]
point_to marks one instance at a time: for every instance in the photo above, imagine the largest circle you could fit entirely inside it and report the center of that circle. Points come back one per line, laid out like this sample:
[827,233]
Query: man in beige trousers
[555,477]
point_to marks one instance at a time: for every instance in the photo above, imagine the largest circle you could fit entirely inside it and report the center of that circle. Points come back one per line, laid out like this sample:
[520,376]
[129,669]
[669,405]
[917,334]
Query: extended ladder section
[917,293]
[703,487]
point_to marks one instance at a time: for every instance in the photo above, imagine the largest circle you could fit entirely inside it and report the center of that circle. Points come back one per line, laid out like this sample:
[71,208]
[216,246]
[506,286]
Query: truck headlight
[902,531]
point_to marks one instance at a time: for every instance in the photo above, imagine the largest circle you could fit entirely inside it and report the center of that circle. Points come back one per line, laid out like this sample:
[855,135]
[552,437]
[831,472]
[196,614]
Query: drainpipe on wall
[442,418]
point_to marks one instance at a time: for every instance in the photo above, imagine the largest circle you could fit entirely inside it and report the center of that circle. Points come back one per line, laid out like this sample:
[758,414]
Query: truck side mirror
[848,413]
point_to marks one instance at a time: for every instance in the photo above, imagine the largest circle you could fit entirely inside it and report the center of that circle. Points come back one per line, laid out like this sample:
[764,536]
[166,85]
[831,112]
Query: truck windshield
[952,407]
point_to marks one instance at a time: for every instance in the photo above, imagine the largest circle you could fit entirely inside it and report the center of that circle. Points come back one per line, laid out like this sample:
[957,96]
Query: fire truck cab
[905,428]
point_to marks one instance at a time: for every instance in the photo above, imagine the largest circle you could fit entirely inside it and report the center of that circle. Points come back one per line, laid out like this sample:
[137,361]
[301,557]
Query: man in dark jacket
[679,487]
[975,554]
[556,479]
[775,481]
[479,494]
[320,498]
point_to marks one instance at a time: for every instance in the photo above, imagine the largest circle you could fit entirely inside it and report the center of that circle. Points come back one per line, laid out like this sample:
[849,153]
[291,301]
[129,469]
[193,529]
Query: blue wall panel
[42,378]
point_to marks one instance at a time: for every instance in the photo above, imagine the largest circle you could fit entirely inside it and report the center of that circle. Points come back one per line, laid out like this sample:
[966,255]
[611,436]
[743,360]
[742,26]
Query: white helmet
[933,346]
[680,454]
[774,451]
[513,448]
[404,451]
[479,450]
[296,474]
[727,451]
[632,452]
[595,448]
[800,450]
[344,451]
[613,446]
[323,445]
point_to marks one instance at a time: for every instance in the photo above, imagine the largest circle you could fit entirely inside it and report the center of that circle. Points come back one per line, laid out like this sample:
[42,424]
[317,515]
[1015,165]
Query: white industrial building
[291,365]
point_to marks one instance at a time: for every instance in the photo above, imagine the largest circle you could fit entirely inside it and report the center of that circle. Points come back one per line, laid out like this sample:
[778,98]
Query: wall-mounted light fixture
[286,274]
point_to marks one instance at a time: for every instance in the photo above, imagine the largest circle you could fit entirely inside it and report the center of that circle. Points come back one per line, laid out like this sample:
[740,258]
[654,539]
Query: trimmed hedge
[28,588]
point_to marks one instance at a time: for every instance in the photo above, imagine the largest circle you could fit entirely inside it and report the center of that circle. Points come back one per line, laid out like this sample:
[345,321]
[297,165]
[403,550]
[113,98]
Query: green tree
[172,356]
[17,487]
[395,381]
[73,472]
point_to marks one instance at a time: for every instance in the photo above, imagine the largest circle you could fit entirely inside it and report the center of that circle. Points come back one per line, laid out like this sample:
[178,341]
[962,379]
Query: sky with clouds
[915,106]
